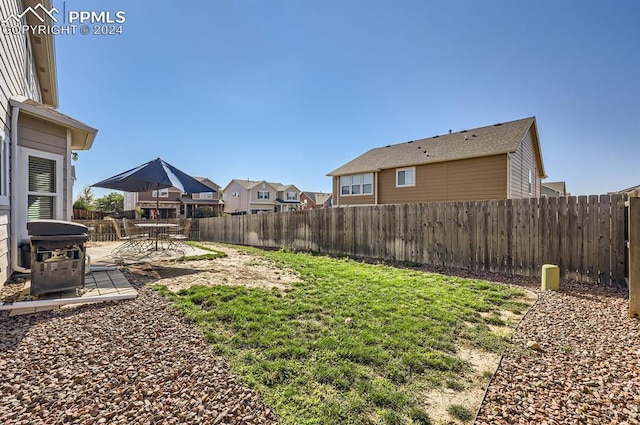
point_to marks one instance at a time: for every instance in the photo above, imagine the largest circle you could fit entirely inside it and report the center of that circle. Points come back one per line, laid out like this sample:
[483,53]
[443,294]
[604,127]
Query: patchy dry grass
[354,343]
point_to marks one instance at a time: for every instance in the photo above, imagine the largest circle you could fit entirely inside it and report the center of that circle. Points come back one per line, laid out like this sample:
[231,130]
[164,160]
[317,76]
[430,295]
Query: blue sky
[289,90]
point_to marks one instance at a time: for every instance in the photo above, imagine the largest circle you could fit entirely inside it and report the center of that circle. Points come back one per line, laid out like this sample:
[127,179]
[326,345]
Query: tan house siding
[15,63]
[17,68]
[263,202]
[235,203]
[173,196]
[351,199]
[523,160]
[462,180]
[44,136]
[5,243]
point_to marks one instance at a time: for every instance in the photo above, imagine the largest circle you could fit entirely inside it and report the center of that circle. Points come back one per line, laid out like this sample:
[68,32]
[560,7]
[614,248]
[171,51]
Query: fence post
[634,254]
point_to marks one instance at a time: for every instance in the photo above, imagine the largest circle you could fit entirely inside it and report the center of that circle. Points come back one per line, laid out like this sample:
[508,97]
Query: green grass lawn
[351,343]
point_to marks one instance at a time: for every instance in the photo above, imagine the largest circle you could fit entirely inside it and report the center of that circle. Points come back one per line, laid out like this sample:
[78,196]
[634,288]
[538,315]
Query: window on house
[42,194]
[263,194]
[357,184]
[164,193]
[292,196]
[203,195]
[345,185]
[530,182]
[405,177]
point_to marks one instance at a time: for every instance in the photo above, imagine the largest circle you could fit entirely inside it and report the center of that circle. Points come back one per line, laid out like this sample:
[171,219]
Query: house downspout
[375,188]
[14,167]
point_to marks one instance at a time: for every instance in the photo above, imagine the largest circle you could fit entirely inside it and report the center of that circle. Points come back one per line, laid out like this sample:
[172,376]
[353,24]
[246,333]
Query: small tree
[202,212]
[111,203]
[86,200]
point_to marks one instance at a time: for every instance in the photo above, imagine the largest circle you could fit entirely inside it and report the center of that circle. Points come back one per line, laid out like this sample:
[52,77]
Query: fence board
[604,235]
[563,236]
[494,236]
[592,239]
[583,224]
[553,237]
[618,237]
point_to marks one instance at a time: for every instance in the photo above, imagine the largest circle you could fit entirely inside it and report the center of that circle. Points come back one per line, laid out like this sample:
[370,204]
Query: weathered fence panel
[583,235]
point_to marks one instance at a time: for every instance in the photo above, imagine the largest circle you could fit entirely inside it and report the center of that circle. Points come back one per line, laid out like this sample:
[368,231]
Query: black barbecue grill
[57,255]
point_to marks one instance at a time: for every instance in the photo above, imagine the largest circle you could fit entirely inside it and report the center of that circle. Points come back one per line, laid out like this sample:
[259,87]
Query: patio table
[157,230]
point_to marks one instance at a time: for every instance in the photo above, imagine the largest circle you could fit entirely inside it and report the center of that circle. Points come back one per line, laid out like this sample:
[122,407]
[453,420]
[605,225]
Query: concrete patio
[104,283]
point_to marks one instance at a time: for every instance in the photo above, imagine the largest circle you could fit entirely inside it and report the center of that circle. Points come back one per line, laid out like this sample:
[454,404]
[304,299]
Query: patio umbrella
[156,174]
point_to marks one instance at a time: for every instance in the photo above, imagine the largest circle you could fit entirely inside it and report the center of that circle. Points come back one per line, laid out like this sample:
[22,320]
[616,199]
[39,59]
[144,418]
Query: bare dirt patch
[483,365]
[238,268]
[437,401]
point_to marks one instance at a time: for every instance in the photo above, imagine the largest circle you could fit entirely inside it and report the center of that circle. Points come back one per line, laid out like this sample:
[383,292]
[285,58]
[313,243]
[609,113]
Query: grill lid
[55,228]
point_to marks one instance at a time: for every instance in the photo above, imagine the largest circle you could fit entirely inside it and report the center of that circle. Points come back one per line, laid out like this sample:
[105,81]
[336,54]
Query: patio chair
[177,239]
[140,241]
[126,245]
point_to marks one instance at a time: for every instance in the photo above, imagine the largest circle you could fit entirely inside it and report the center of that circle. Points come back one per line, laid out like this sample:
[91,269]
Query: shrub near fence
[583,235]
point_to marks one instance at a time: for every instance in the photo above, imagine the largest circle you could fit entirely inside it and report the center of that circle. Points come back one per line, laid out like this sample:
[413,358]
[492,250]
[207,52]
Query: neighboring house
[629,189]
[555,189]
[500,161]
[37,142]
[252,197]
[287,197]
[173,203]
[315,200]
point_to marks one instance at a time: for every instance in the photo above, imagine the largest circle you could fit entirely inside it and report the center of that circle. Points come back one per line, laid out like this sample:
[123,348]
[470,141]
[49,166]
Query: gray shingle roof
[484,141]
[557,186]
[247,184]
[208,182]
[318,198]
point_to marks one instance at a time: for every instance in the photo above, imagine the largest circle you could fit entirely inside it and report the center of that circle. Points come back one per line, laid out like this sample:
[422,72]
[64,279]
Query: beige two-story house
[260,196]
[36,141]
[173,203]
[499,161]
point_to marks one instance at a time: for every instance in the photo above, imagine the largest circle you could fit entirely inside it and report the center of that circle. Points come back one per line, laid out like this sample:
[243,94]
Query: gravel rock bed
[586,371]
[124,362]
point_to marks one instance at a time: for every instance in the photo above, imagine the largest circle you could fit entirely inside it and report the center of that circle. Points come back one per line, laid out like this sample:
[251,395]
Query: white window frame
[359,185]
[292,196]
[530,182]
[263,198]
[164,193]
[413,171]
[4,168]
[22,186]
[203,195]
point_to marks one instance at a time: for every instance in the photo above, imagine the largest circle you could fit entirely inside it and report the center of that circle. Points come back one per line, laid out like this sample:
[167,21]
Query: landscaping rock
[126,362]
[589,370]
[532,345]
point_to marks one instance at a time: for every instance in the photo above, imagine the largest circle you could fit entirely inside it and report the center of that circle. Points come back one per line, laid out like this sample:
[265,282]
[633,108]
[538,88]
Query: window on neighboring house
[164,193]
[263,194]
[356,184]
[42,189]
[405,177]
[292,196]
[367,183]
[203,195]
[530,182]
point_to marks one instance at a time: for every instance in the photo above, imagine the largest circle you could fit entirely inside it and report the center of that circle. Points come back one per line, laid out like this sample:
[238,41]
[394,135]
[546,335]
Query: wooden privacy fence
[583,235]
[102,230]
